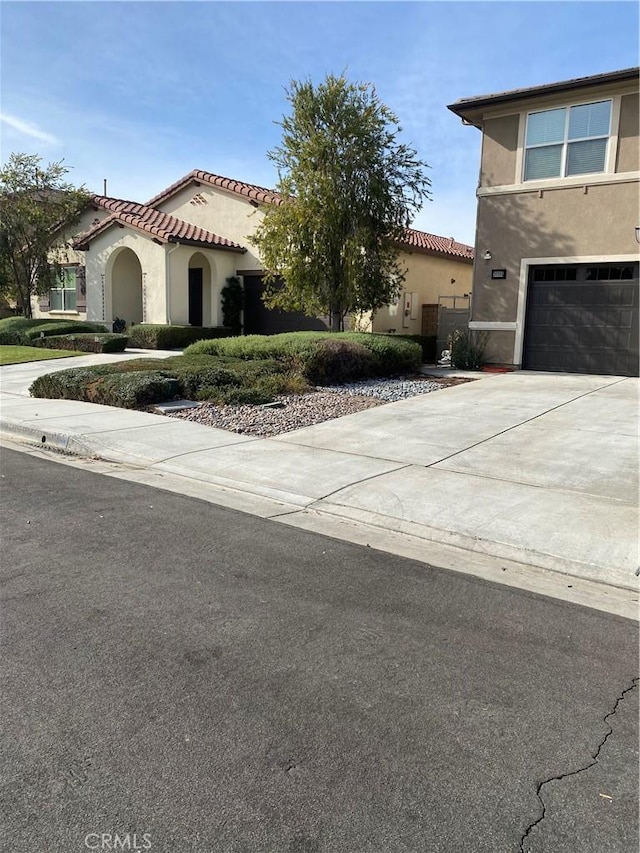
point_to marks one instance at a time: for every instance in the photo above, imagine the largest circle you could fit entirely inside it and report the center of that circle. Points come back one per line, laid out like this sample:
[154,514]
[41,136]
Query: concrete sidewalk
[528,475]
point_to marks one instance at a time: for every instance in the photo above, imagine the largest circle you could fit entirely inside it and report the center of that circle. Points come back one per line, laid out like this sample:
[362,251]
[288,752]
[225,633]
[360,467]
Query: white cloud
[28,129]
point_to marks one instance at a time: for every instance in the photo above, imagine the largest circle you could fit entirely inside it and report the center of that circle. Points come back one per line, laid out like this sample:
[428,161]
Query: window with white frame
[567,141]
[63,296]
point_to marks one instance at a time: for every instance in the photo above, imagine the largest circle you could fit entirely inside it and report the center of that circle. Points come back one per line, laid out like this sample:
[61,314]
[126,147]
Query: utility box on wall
[410,309]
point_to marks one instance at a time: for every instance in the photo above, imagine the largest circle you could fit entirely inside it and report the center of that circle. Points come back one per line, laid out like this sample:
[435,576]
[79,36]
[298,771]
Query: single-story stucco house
[167,261]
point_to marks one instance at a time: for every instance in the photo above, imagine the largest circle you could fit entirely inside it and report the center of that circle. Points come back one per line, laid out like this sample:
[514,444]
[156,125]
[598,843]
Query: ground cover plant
[88,342]
[322,356]
[254,369]
[151,336]
[22,354]
[18,331]
[142,382]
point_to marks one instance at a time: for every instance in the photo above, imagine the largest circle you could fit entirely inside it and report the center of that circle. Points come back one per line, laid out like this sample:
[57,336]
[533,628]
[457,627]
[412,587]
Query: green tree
[349,188]
[37,209]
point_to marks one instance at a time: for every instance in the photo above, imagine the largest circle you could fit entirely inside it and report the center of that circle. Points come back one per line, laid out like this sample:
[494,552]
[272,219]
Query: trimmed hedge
[63,327]
[335,361]
[12,339]
[428,344]
[133,390]
[128,390]
[99,342]
[321,354]
[22,331]
[149,336]
[20,323]
[193,377]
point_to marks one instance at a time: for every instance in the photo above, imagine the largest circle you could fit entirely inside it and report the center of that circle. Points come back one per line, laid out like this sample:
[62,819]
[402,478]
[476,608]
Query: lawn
[19,355]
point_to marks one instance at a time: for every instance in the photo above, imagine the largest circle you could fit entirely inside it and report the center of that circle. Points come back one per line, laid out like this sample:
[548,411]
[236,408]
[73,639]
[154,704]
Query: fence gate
[453,313]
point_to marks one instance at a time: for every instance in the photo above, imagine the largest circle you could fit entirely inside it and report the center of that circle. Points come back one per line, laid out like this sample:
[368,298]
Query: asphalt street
[191,678]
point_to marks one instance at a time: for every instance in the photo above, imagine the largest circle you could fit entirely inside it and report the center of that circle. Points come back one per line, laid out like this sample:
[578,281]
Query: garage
[582,318]
[260,320]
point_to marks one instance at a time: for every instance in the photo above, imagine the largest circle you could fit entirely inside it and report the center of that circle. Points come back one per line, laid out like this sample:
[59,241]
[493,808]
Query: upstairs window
[567,141]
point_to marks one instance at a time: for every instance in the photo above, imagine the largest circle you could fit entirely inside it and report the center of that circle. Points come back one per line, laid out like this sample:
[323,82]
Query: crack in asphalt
[560,776]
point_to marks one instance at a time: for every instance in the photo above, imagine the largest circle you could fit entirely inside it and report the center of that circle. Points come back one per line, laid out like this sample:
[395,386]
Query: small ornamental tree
[37,209]
[349,188]
[232,304]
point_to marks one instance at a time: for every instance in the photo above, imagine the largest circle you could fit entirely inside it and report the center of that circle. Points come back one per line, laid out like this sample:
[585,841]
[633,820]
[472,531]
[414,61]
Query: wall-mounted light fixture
[637,233]
[487,255]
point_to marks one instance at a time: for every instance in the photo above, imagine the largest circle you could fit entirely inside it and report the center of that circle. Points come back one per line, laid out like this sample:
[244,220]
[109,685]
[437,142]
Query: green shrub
[263,390]
[11,338]
[99,342]
[394,356]
[133,390]
[390,355]
[335,360]
[232,298]
[21,323]
[468,349]
[65,385]
[62,327]
[148,336]
[428,344]
[102,384]
[21,331]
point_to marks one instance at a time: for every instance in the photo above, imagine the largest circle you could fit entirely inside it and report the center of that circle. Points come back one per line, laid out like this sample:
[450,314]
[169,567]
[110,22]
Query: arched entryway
[199,290]
[126,287]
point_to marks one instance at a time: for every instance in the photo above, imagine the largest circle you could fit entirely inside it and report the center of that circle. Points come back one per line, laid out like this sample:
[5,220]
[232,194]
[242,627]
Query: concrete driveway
[537,469]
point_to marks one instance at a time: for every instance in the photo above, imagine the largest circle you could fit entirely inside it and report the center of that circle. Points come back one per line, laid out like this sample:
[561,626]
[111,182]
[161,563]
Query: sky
[140,93]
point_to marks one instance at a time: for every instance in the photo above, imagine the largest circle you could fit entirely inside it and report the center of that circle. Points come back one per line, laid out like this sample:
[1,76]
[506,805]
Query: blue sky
[141,93]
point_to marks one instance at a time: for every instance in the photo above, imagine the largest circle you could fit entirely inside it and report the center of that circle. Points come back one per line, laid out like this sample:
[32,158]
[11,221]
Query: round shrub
[337,360]
[133,390]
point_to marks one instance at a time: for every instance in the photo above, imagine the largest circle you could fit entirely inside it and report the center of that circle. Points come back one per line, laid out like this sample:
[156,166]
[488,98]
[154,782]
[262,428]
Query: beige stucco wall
[217,267]
[430,277]
[126,287]
[165,268]
[100,259]
[628,159]
[65,254]
[499,158]
[223,213]
[499,151]
[562,223]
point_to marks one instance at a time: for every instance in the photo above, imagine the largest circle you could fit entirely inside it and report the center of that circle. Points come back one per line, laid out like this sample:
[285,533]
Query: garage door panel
[579,319]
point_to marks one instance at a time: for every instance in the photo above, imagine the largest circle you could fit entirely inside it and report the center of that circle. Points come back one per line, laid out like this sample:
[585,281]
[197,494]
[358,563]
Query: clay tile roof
[150,221]
[253,192]
[431,243]
[418,240]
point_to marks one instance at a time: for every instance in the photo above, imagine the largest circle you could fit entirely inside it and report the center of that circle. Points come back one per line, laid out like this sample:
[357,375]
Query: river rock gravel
[303,410]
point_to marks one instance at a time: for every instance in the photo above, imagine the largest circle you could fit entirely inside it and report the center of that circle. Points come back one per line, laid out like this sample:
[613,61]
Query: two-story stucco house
[167,261]
[556,271]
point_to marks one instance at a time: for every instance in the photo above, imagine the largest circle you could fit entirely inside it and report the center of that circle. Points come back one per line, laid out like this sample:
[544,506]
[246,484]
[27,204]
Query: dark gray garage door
[260,320]
[582,319]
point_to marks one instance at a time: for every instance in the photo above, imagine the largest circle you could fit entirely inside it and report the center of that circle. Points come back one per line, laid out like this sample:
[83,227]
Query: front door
[195,296]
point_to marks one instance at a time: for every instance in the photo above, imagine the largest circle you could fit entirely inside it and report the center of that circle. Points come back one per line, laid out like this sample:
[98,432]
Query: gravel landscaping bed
[304,410]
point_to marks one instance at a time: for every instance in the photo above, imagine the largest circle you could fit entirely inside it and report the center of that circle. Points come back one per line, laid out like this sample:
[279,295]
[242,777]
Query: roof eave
[239,250]
[465,106]
[439,253]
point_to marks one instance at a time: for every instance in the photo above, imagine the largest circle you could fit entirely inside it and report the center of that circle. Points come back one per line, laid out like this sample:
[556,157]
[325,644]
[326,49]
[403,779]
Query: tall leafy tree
[38,207]
[349,188]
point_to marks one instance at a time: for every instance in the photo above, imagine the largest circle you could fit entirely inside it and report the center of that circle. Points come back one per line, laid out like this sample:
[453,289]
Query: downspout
[168,282]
